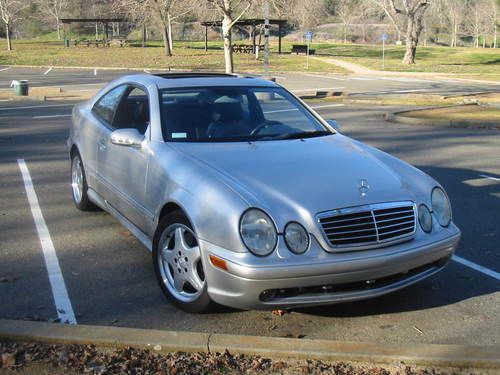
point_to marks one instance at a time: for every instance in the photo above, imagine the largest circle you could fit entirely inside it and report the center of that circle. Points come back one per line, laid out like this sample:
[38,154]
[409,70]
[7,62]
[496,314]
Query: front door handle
[102,144]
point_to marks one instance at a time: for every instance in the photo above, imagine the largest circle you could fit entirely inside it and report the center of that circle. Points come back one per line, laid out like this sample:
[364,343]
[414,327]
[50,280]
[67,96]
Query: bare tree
[479,21]
[161,12]
[228,9]
[496,20]
[9,12]
[454,12]
[53,9]
[348,12]
[407,14]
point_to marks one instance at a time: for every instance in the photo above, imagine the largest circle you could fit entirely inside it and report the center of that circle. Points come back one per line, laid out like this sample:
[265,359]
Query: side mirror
[127,137]
[334,124]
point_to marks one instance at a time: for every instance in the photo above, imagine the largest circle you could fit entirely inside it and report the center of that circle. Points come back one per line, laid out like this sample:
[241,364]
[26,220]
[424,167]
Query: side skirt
[140,235]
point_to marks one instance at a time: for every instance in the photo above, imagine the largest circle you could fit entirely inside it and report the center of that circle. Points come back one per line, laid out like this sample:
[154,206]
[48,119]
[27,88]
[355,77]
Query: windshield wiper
[300,135]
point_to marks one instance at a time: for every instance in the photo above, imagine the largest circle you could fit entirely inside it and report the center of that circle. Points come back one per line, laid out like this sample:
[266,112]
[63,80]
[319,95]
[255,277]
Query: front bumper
[322,278]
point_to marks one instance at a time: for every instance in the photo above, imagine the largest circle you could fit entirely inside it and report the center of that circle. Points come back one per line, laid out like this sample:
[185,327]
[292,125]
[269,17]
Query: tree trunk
[166,44]
[170,42]
[412,34]
[345,33]
[58,26]
[7,35]
[495,37]
[454,34]
[228,44]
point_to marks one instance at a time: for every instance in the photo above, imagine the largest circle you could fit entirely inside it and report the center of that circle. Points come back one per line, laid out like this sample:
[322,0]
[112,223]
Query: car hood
[310,175]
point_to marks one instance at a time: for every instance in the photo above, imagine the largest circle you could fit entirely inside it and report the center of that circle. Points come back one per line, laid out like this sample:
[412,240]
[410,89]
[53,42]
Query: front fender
[212,207]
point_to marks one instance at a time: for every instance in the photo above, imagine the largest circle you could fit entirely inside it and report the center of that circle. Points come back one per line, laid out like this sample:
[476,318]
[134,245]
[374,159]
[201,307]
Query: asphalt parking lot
[109,276]
[92,78]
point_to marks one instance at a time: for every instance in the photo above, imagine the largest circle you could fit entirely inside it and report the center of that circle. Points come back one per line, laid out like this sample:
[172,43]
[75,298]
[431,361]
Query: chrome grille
[369,225]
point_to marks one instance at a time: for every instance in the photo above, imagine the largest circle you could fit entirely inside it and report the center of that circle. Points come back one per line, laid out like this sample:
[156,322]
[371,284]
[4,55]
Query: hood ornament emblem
[363,187]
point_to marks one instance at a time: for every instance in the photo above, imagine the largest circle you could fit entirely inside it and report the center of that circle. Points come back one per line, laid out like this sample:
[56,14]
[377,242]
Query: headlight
[441,207]
[296,238]
[425,218]
[258,232]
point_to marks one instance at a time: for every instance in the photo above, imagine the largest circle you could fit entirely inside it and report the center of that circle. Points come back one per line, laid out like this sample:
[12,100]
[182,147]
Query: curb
[408,120]
[458,356]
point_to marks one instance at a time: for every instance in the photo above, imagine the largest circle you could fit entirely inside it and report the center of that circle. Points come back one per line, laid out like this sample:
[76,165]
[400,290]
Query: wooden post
[253,39]
[206,38]
[279,38]
[66,44]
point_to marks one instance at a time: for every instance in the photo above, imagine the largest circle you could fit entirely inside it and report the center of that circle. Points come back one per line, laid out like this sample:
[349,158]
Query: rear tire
[177,261]
[79,185]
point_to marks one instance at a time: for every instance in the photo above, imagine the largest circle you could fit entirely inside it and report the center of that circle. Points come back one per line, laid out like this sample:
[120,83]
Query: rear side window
[105,108]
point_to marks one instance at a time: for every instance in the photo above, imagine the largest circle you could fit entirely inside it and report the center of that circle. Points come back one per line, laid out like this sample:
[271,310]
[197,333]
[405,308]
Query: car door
[123,169]
[103,113]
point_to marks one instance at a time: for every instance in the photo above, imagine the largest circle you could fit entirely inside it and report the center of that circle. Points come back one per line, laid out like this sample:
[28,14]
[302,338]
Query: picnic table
[246,48]
[96,43]
[302,48]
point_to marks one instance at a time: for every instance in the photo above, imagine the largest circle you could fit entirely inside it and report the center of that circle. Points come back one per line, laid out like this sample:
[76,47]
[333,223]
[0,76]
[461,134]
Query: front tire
[178,264]
[79,185]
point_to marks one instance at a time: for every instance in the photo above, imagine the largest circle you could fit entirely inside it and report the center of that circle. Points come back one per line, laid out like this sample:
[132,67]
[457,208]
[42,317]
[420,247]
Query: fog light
[425,218]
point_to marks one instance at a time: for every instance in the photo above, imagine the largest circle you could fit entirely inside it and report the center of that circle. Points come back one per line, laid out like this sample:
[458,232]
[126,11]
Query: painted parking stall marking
[51,116]
[36,106]
[476,267]
[59,292]
[313,107]
[48,71]
[490,177]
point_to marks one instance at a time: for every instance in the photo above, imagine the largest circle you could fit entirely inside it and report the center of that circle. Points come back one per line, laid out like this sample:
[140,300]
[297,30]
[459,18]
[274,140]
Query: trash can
[66,43]
[20,87]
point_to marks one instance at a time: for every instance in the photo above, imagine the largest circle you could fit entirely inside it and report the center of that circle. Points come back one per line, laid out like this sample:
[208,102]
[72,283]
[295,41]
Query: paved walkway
[359,69]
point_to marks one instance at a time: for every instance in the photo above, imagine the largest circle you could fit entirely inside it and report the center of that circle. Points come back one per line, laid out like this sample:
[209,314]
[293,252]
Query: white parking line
[476,267]
[95,72]
[296,109]
[319,89]
[50,116]
[489,177]
[147,71]
[328,106]
[48,71]
[4,69]
[59,292]
[326,76]
[36,106]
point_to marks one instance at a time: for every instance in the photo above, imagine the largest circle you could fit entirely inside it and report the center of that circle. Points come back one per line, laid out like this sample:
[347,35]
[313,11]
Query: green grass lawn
[466,61]
[187,56]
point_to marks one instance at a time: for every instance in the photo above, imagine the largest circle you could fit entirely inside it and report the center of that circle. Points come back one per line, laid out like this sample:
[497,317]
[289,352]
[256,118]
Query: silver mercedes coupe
[246,197]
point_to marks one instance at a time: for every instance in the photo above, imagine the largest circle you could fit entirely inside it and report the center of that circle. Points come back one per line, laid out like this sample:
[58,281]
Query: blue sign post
[309,36]
[384,37]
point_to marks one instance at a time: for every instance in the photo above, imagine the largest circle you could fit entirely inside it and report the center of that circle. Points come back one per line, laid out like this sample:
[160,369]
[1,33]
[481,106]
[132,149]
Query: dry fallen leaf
[279,312]
[8,360]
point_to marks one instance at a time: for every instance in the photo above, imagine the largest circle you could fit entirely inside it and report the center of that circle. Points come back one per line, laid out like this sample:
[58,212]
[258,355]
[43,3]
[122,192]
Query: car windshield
[222,114]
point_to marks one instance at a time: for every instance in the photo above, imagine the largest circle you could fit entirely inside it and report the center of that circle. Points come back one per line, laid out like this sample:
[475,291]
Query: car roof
[195,79]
